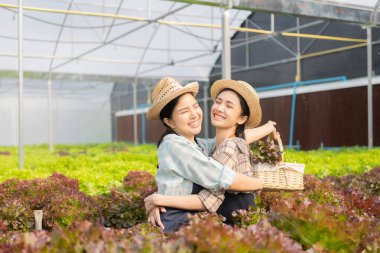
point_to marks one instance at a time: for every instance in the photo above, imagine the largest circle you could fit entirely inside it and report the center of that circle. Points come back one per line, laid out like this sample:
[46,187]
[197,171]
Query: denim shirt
[182,163]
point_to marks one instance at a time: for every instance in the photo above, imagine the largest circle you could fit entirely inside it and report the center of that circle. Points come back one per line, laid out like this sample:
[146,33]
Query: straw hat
[247,92]
[165,91]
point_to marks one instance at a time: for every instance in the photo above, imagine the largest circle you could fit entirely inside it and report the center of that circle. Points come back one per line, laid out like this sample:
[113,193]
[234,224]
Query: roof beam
[304,8]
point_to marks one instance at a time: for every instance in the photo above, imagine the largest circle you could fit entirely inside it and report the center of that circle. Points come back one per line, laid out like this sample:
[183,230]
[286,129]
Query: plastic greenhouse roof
[94,45]
[89,45]
[358,3]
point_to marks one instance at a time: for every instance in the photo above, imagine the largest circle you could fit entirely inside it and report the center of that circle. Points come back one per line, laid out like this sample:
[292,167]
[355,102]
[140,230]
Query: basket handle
[276,137]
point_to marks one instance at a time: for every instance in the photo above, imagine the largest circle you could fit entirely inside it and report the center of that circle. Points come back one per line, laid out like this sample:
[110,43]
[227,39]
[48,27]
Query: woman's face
[187,117]
[226,111]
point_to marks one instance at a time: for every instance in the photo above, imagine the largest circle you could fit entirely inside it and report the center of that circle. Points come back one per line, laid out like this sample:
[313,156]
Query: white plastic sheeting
[81,44]
[81,112]
[354,3]
[114,46]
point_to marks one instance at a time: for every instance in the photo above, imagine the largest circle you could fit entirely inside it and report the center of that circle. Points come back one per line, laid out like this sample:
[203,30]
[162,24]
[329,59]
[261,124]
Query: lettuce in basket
[265,151]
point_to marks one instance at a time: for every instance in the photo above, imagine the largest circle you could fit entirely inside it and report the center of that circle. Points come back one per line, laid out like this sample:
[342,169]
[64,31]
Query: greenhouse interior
[82,61]
[76,84]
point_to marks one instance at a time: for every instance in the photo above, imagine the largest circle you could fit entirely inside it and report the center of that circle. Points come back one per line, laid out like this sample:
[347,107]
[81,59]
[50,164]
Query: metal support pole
[212,31]
[143,131]
[297,79]
[292,115]
[205,111]
[369,88]
[50,121]
[21,86]
[135,140]
[246,47]
[148,10]
[226,52]
[298,75]
[272,22]
[168,40]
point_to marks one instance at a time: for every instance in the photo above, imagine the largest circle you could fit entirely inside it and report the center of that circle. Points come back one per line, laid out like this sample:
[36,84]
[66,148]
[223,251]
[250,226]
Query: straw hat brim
[154,111]
[249,95]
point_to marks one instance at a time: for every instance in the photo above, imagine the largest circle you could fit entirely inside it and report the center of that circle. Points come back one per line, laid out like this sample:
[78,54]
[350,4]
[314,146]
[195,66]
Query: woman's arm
[192,202]
[155,202]
[186,202]
[251,135]
[255,134]
[245,183]
[178,157]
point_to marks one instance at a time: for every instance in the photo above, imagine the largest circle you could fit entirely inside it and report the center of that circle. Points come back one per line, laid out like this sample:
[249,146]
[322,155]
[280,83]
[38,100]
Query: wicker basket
[282,176]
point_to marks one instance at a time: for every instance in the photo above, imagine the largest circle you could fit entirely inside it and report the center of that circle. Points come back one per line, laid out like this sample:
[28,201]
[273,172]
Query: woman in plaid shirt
[184,165]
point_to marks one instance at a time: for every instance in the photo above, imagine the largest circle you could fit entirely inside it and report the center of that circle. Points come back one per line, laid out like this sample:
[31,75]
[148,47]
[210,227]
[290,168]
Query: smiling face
[226,112]
[186,118]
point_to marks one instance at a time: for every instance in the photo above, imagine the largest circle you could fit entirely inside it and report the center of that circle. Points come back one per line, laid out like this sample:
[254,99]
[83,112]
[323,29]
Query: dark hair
[167,112]
[239,131]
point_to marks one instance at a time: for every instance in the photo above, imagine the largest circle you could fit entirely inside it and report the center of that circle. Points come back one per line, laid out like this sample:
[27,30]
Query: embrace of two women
[196,174]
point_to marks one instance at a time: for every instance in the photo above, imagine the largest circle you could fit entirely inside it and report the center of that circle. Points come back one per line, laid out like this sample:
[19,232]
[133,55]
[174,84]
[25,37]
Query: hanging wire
[98,43]
[71,26]
[144,10]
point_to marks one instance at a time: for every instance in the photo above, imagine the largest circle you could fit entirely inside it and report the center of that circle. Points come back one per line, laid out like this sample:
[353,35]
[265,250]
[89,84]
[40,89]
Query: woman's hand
[255,134]
[275,135]
[154,217]
[152,202]
[271,124]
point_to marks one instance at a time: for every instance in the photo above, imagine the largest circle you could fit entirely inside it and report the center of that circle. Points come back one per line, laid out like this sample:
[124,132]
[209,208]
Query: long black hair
[239,131]
[167,112]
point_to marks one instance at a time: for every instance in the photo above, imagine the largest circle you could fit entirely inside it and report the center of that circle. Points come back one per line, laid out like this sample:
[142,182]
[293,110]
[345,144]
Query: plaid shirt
[233,153]
[182,162]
